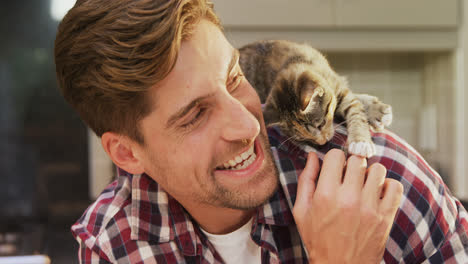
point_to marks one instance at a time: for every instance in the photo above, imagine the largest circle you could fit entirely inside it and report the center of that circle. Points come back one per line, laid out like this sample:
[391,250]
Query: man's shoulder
[128,222]
[401,160]
[112,207]
[390,148]
[429,218]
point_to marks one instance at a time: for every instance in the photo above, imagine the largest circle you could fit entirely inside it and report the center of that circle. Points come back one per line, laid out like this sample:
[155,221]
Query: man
[198,181]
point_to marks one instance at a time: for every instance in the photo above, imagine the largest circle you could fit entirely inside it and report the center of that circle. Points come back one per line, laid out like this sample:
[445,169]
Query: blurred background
[411,54]
[43,143]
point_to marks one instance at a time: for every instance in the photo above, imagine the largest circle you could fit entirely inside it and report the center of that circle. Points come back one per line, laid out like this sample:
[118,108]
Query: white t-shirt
[237,246]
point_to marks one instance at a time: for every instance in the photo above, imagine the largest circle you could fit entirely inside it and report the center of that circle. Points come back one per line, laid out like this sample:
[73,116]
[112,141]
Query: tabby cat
[302,95]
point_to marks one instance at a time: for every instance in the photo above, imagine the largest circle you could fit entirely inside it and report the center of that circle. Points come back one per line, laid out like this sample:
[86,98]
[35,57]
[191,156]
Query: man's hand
[345,218]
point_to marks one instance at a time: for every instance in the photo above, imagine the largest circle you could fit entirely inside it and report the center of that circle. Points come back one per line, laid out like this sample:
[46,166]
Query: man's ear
[123,152]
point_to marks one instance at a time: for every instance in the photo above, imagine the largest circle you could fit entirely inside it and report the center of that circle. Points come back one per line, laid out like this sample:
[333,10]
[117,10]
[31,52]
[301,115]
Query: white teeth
[250,161]
[250,151]
[247,157]
[244,155]
[245,164]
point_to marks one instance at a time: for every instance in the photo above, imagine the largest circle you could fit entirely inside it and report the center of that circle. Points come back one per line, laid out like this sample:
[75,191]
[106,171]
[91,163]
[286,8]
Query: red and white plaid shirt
[135,221]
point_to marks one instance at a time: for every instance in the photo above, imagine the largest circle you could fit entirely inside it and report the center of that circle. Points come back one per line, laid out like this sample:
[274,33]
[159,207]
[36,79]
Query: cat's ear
[307,89]
[318,92]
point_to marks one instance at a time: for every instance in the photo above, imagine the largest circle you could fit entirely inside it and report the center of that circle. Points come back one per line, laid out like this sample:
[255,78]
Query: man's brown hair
[108,53]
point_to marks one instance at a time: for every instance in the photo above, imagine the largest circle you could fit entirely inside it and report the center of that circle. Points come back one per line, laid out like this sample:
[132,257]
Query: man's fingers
[306,181]
[332,170]
[355,173]
[392,193]
[374,184]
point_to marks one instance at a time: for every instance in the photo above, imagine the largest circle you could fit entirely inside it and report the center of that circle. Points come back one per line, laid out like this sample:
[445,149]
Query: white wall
[461,98]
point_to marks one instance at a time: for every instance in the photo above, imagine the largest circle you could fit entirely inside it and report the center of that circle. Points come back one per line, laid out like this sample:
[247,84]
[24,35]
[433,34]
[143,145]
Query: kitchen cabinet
[396,13]
[274,13]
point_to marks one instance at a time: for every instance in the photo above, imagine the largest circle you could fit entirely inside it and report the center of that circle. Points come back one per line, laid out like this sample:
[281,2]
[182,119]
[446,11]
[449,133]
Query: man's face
[208,117]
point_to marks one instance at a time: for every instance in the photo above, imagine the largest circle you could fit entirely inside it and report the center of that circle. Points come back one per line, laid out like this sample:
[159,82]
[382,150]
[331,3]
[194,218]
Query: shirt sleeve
[431,225]
[88,256]
[454,249]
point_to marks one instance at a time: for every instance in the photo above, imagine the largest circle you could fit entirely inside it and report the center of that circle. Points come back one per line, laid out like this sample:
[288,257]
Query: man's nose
[239,123]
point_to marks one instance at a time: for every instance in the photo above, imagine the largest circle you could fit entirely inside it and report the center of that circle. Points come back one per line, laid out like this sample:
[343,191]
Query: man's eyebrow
[233,62]
[184,110]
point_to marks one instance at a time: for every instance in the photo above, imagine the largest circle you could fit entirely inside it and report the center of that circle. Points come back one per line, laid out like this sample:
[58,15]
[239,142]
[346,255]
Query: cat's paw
[385,120]
[362,148]
[379,115]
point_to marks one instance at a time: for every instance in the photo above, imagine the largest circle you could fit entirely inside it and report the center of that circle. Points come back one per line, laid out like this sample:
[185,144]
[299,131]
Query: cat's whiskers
[284,141]
[339,137]
[339,124]
[295,147]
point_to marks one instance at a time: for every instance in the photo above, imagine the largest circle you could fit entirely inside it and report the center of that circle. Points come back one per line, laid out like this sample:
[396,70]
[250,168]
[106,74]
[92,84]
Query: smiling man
[208,131]
[202,180]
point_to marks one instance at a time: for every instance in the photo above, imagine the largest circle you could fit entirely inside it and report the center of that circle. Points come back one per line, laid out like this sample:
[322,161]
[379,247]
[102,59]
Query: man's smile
[244,164]
[241,161]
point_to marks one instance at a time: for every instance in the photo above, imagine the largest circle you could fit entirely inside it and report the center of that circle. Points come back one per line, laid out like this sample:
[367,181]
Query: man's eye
[196,117]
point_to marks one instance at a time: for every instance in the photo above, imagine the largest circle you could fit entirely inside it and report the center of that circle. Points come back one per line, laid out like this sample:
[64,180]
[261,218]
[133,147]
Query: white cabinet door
[274,13]
[397,13]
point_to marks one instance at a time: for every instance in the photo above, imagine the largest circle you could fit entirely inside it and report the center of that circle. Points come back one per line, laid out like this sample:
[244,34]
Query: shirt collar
[159,218]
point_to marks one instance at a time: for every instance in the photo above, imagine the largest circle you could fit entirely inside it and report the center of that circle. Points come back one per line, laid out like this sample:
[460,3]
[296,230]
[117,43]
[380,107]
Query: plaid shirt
[135,221]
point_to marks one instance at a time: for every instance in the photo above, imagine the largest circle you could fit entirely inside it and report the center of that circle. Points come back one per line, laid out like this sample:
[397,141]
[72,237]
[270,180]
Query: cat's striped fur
[303,94]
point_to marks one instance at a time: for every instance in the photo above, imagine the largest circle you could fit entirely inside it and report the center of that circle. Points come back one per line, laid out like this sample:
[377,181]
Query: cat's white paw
[385,120]
[377,126]
[363,149]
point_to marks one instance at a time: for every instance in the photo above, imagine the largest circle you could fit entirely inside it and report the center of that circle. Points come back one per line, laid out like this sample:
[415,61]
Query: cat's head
[302,104]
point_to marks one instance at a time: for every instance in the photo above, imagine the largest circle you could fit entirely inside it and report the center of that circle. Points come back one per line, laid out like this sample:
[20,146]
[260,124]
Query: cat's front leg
[378,114]
[359,138]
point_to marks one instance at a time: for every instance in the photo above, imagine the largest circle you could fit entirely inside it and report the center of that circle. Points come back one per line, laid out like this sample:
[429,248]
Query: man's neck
[216,220]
